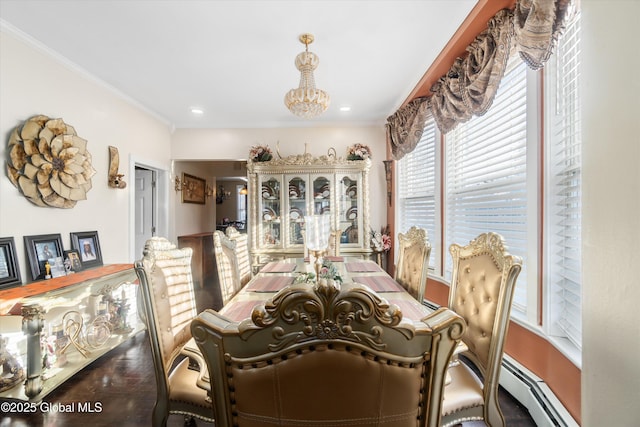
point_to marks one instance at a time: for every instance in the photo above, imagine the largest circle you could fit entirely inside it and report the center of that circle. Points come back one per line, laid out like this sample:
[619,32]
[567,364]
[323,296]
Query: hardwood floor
[121,388]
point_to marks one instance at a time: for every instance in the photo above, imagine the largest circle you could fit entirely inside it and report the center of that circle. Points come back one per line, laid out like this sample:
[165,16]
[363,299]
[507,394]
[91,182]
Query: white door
[145,221]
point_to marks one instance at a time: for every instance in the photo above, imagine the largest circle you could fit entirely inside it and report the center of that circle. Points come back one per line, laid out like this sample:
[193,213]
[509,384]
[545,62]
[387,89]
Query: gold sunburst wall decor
[49,163]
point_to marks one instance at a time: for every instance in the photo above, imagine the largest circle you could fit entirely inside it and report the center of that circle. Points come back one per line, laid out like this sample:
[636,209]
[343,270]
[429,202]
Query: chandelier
[306,101]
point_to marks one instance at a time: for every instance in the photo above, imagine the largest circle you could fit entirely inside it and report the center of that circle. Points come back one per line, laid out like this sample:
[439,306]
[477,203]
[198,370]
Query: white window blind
[486,174]
[417,187]
[564,186]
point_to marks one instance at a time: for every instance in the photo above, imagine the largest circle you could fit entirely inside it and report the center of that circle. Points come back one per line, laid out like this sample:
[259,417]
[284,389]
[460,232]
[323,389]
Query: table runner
[269,283]
[278,267]
[362,266]
[379,283]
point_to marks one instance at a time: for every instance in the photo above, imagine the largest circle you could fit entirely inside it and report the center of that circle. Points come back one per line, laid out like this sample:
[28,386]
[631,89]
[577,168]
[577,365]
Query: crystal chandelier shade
[307,101]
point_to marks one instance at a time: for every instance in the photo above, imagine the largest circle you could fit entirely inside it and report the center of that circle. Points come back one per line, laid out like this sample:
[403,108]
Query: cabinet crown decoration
[306,159]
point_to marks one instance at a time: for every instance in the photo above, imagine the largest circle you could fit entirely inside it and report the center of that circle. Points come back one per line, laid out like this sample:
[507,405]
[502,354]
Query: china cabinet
[282,191]
[52,329]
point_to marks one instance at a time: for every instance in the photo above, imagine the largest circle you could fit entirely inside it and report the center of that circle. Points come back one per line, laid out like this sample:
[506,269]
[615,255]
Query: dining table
[276,275]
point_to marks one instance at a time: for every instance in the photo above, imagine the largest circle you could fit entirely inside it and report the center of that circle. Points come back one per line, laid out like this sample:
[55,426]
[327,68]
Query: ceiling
[234,59]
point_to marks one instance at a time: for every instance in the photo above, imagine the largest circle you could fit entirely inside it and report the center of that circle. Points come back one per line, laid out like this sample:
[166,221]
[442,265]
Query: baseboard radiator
[534,394]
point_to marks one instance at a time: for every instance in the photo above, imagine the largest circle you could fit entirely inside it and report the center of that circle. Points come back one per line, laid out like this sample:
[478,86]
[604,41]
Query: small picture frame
[40,248]
[88,246]
[193,189]
[72,259]
[56,267]
[9,270]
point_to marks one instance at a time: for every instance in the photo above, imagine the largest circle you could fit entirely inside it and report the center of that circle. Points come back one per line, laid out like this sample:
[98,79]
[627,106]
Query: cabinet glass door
[321,195]
[349,217]
[270,214]
[297,205]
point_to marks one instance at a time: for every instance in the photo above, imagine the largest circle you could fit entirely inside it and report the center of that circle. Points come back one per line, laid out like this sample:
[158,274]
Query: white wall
[234,144]
[611,204]
[34,82]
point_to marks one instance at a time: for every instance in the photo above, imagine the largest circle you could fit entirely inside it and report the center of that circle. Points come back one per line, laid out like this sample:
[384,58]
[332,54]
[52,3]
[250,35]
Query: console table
[54,328]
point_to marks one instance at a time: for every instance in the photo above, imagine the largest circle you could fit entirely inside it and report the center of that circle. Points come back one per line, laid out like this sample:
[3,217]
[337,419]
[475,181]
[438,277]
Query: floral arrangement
[381,240]
[328,271]
[358,152]
[260,153]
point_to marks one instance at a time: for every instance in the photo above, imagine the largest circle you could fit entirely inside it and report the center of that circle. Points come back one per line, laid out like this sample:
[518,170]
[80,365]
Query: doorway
[148,205]
[145,201]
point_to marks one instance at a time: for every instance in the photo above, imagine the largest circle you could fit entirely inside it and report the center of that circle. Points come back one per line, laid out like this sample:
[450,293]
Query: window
[503,172]
[486,174]
[563,175]
[417,188]
[241,206]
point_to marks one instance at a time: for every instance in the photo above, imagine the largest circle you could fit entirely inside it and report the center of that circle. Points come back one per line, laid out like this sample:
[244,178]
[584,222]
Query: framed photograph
[193,189]
[40,249]
[9,271]
[88,247]
[56,267]
[72,258]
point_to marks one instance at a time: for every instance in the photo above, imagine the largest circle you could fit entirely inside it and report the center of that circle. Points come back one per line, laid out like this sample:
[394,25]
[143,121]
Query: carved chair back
[226,265]
[243,260]
[327,355]
[482,286]
[166,285]
[413,261]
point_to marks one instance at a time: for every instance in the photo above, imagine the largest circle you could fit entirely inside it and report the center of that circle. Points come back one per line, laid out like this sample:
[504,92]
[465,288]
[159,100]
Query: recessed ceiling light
[345,108]
[197,111]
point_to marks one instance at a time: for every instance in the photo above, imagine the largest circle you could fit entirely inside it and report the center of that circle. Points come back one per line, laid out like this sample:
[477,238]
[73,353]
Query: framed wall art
[40,249]
[9,270]
[193,189]
[88,247]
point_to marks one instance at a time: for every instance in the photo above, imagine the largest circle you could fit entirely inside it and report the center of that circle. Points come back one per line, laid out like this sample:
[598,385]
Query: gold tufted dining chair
[166,284]
[226,265]
[413,261]
[482,286]
[327,355]
[243,260]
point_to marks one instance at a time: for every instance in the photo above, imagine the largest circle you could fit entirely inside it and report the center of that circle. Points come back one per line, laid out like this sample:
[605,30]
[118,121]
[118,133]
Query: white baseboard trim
[533,393]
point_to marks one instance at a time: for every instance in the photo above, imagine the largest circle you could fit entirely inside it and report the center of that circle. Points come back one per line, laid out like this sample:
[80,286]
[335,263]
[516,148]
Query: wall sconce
[209,191]
[221,194]
[388,169]
[177,183]
[115,178]
[244,191]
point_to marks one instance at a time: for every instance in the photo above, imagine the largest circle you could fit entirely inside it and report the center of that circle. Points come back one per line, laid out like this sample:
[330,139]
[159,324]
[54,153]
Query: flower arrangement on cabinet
[381,240]
[260,153]
[358,152]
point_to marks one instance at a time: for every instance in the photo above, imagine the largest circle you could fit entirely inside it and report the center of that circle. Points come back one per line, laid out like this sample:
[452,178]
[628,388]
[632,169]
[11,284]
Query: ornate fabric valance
[469,87]
[472,82]
[405,126]
[537,25]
